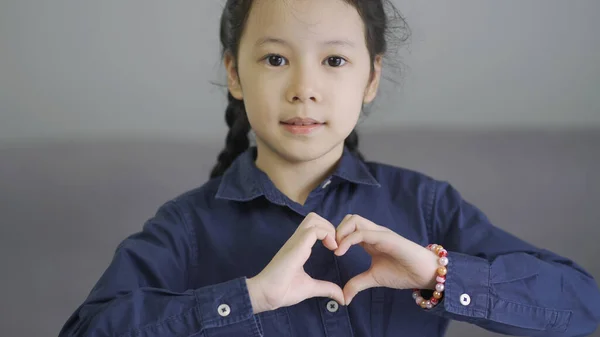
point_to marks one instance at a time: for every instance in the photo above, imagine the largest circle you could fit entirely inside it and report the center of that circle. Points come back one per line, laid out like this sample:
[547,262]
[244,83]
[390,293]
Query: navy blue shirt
[184,273]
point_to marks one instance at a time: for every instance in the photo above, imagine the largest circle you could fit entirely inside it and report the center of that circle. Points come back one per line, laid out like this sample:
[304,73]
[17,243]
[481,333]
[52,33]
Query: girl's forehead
[305,19]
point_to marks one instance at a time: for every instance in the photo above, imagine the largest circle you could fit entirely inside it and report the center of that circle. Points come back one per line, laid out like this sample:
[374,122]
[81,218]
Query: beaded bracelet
[441,279]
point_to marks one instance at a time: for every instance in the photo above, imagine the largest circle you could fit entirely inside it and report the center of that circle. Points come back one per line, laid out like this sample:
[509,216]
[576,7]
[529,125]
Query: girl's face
[303,72]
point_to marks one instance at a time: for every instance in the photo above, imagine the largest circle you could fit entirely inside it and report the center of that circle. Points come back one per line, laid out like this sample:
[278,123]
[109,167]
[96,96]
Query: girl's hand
[396,262]
[284,282]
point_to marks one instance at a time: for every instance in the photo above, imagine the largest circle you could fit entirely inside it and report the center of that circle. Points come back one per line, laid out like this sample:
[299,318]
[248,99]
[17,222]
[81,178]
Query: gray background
[107,110]
[75,69]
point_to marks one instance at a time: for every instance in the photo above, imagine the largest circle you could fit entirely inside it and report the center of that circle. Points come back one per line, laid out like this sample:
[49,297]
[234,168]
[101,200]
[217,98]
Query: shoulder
[183,213]
[438,200]
[399,179]
[407,184]
[200,197]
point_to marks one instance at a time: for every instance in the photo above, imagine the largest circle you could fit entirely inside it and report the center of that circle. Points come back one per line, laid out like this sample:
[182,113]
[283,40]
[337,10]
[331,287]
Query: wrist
[257,298]
[442,260]
[430,269]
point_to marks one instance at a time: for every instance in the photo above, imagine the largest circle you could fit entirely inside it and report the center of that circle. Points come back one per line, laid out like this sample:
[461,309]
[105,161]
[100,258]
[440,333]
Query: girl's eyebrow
[269,39]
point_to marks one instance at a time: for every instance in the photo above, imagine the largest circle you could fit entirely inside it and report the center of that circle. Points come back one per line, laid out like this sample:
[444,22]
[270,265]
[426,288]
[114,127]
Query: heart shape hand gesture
[396,263]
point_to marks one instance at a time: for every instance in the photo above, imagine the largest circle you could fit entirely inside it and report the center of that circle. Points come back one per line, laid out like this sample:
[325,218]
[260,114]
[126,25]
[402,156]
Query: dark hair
[233,21]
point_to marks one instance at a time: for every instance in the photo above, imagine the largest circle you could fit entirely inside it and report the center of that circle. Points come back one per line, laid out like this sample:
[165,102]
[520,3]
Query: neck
[296,179]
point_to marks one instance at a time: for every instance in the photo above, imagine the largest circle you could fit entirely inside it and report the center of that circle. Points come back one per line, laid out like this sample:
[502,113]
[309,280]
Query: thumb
[328,289]
[357,284]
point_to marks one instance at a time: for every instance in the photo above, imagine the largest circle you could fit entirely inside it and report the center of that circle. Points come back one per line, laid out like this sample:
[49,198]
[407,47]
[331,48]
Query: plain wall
[77,69]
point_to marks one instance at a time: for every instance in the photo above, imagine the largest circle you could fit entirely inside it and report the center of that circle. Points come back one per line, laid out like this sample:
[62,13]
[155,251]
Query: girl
[240,256]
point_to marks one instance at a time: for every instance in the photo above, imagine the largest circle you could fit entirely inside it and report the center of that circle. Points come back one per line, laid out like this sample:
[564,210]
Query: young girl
[299,236]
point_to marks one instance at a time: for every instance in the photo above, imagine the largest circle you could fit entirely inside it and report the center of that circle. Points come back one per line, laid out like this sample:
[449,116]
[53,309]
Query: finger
[310,236]
[328,289]
[316,221]
[357,284]
[329,241]
[375,238]
[297,250]
[347,226]
[351,223]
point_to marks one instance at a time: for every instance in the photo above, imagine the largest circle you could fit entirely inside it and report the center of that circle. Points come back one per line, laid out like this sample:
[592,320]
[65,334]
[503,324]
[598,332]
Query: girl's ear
[233,80]
[371,90]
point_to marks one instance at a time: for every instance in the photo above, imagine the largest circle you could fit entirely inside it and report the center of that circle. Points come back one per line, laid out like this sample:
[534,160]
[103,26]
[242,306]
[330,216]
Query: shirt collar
[243,181]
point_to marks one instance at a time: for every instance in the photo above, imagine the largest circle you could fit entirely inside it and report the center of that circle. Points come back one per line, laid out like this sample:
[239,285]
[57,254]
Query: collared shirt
[184,273]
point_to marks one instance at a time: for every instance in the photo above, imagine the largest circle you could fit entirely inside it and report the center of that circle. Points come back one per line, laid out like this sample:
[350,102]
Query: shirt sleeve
[503,284]
[144,291]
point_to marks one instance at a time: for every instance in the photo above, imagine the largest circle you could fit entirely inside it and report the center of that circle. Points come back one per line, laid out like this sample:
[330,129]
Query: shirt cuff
[226,304]
[467,288]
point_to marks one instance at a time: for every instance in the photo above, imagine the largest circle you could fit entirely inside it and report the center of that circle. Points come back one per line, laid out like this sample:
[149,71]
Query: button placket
[323,265]
[332,306]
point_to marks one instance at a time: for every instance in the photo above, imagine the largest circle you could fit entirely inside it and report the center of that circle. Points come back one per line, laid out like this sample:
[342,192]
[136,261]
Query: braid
[351,142]
[237,140]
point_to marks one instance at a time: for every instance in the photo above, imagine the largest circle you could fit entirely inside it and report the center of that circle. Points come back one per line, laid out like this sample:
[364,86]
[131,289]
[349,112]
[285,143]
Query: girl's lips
[301,121]
[302,129]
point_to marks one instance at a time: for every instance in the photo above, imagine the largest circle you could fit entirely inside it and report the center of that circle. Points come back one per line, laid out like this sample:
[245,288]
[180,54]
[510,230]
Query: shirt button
[332,306]
[224,310]
[465,299]
[326,183]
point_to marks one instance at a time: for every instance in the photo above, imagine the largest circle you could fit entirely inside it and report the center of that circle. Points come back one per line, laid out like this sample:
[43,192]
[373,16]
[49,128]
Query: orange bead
[437,295]
[442,271]
[424,304]
[437,249]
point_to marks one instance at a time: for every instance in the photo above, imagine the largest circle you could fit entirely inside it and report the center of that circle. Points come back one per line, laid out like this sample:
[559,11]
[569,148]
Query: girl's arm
[506,285]
[145,290]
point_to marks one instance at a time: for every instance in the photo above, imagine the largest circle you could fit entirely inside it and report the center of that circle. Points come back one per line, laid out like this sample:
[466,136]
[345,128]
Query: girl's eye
[275,60]
[279,61]
[335,61]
